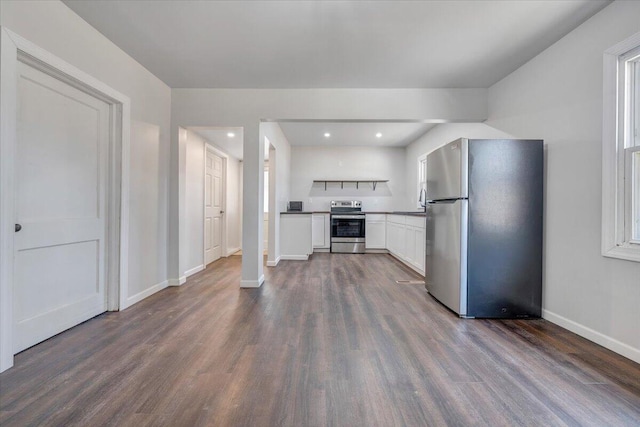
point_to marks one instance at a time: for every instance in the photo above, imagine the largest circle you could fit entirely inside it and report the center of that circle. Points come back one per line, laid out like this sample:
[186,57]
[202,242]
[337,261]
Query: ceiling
[334,44]
[219,137]
[354,134]
[310,133]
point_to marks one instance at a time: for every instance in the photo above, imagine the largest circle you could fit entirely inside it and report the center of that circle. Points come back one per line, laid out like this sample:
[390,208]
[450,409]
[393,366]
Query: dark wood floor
[334,341]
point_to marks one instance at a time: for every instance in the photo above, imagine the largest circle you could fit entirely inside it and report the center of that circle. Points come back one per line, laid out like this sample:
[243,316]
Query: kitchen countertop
[297,213]
[411,213]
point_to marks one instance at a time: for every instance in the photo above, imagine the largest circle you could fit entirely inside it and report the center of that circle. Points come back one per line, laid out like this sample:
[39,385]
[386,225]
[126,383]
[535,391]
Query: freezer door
[447,171]
[446,254]
[505,228]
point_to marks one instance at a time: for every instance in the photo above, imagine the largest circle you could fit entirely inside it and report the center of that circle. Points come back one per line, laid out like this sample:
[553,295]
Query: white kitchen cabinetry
[395,235]
[406,239]
[415,242]
[376,231]
[295,236]
[320,231]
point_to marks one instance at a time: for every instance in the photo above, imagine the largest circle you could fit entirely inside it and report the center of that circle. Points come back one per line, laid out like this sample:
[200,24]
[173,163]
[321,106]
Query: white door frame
[223,242]
[13,49]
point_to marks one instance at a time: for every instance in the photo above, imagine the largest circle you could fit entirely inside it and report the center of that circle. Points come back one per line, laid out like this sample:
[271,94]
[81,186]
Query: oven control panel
[354,204]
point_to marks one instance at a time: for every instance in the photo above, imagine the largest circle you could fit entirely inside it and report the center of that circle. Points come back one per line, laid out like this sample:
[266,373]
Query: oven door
[347,226]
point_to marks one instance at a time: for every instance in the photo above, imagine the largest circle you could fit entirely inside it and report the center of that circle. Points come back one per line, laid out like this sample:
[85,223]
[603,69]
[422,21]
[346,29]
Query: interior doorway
[270,202]
[214,205]
[265,210]
[212,195]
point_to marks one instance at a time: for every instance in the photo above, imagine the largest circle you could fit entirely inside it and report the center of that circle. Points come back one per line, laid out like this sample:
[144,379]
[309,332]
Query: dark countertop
[410,213]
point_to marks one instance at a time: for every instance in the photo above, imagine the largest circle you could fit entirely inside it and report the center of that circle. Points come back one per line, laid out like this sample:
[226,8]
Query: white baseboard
[320,250]
[144,294]
[411,266]
[273,263]
[294,257]
[252,283]
[194,270]
[178,282]
[232,251]
[592,335]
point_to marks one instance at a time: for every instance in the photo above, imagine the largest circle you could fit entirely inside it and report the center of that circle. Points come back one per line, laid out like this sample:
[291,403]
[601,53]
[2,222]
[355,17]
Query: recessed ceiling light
[378,135]
[231,134]
[327,134]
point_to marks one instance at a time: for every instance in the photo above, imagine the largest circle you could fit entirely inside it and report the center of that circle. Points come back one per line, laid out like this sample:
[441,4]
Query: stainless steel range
[347,227]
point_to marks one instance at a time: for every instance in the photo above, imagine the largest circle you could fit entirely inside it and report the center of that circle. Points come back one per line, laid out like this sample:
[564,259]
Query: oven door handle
[347,216]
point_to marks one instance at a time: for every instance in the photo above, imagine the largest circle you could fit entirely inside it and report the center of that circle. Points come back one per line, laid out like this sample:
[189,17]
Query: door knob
[18,227]
[221,212]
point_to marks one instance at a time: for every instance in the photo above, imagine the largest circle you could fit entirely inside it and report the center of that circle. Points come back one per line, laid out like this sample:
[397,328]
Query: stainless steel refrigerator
[484,227]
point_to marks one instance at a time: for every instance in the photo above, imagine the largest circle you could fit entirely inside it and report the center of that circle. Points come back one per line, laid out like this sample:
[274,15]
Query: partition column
[252,206]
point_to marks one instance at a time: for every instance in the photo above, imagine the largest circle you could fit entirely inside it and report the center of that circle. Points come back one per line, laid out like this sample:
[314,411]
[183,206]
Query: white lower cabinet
[402,235]
[376,231]
[320,231]
[396,235]
[421,243]
[295,236]
[406,239]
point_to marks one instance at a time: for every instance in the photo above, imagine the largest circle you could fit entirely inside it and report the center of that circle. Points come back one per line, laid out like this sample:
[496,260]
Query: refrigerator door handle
[449,201]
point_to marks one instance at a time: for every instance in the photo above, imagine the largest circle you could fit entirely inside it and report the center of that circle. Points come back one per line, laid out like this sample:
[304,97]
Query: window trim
[422,158]
[615,240]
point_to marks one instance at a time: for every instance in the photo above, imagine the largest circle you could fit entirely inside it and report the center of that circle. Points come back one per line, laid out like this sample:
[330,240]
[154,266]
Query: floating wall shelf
[374,182]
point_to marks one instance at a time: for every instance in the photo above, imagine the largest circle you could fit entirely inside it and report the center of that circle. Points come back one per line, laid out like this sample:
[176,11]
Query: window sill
[628,252]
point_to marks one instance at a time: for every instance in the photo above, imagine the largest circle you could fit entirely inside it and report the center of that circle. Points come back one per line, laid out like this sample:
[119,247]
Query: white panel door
[213,198]
[62,158]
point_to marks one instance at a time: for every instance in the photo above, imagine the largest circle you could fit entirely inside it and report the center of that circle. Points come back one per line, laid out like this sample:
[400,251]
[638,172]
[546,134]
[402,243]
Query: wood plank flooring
[330,342]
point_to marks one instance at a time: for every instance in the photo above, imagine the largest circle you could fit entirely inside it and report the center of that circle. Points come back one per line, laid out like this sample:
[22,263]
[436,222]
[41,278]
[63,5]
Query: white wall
[247,107]
[148,209]
[339,162]
[435,138]
[557,96]
[55,28]
[194,204]
[234,209]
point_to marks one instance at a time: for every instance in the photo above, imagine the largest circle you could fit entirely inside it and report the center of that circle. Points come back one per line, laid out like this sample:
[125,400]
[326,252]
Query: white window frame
[617,152]
[422,163]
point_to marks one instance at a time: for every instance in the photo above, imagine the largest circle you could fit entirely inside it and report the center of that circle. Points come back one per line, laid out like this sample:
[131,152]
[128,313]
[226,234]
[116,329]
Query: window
[422,179]
[621,151]
[632,148]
